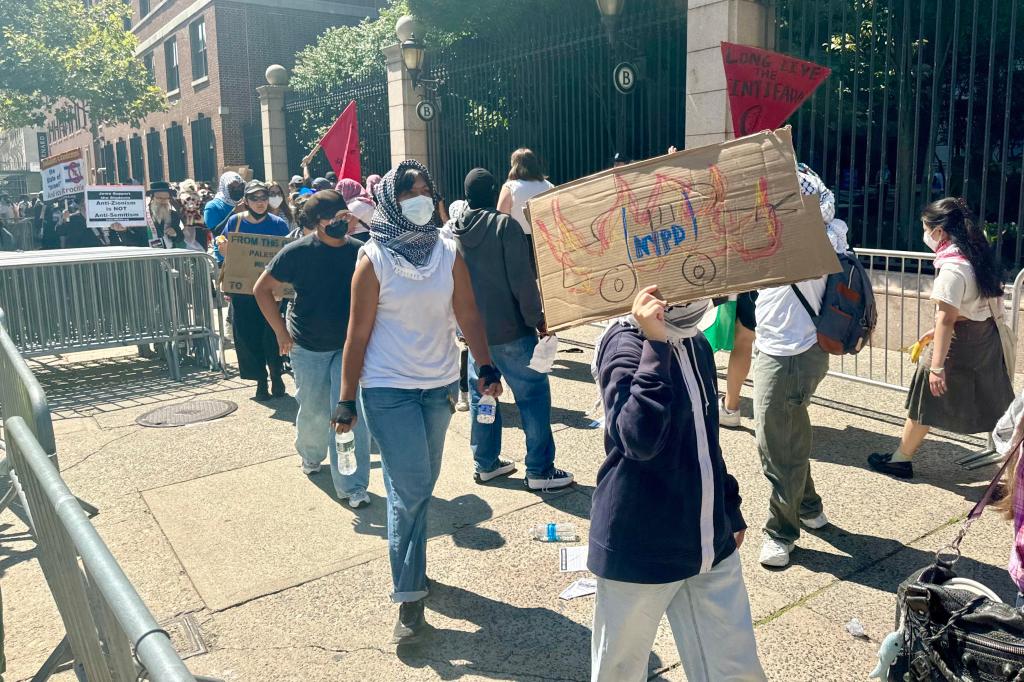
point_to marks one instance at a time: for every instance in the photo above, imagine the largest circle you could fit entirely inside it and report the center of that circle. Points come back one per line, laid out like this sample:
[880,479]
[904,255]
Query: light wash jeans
[318,384]
[710,618]
[410,426]
[533,398]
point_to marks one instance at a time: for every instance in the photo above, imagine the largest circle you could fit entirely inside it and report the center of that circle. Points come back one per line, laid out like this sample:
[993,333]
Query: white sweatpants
[710,619]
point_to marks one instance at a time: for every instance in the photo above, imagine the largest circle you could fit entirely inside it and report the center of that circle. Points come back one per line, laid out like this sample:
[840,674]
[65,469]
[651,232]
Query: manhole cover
[192,412]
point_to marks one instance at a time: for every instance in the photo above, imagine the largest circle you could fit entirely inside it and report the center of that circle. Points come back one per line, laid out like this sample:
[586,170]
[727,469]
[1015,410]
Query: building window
[143,8]
[123,172]
[197,43]
[138,160]
[155,154]
[177,157]
[204,149]
[171,63]
[147,61]
[109,163]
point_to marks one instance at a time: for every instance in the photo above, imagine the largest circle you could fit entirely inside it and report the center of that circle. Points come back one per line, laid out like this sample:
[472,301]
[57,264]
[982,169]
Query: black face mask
[236,194]
[337,230]
[256,215]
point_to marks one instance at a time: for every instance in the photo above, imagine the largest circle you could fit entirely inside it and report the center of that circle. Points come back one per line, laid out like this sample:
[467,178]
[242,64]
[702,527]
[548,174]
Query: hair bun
[961,203]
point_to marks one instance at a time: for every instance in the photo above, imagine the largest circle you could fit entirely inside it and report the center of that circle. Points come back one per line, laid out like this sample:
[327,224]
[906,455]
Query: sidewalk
[216,524]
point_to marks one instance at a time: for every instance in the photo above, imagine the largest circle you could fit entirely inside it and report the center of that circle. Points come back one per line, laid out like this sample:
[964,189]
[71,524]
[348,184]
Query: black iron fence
[553,89]
[920,105]
[308,117]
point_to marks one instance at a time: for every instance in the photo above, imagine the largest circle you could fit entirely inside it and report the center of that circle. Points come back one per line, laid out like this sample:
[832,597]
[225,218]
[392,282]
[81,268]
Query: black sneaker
[411,623]
[554,480]
[277,387]
[881,462]
[262,394]
[503,469]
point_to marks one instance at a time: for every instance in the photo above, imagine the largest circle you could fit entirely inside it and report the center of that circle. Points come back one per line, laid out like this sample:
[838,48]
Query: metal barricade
[18,235]
[86,299]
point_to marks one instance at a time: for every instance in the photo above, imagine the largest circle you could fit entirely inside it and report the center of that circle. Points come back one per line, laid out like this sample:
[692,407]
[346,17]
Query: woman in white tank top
[525,181]
[409,290]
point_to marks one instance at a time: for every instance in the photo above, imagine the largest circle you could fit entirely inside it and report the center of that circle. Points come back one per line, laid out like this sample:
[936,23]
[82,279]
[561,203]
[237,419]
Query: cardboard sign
[764,87]
[245,258]
[63,175]
[699,223]
[106,204]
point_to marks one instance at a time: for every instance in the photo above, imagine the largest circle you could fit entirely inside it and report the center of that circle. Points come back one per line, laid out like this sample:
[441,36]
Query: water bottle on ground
[554,532]
[486,410]
[346,453]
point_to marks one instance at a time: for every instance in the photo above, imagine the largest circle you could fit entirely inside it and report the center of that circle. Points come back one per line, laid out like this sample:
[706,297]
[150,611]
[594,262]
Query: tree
[59,52]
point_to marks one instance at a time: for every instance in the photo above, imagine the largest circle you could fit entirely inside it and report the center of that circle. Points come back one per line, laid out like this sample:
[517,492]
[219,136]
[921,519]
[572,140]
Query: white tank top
[413,341]
[522,191]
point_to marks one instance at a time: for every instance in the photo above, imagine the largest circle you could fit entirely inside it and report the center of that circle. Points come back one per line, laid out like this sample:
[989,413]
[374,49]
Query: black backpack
[848,314]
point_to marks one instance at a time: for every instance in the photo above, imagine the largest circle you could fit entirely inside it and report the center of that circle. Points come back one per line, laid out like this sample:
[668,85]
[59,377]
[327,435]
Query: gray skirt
[978,389]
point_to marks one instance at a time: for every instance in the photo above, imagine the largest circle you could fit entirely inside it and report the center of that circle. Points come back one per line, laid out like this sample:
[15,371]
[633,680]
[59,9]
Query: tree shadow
[508,642]
[573,370]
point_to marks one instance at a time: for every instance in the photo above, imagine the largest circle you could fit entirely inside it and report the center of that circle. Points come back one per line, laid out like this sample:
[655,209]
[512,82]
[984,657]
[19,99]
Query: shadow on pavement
[15,547]
[573,370]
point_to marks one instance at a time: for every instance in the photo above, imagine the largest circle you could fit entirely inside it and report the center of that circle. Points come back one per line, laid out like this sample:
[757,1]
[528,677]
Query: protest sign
[698,223]
[245,257]
[106,204]
[63,175]
[764,87]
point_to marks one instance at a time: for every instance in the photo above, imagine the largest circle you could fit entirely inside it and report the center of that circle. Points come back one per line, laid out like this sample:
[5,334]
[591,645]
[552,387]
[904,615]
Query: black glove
[489,374]
[345,412]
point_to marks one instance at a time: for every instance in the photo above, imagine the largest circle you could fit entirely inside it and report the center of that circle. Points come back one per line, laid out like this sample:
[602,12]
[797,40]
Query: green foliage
[55,51]
[483,18]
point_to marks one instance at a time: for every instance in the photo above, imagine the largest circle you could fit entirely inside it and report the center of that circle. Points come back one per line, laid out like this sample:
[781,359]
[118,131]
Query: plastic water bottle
[346,453]
[554,532]
[486,410]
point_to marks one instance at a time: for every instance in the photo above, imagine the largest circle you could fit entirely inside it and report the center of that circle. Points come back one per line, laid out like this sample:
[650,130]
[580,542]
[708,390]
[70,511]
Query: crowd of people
[407,310]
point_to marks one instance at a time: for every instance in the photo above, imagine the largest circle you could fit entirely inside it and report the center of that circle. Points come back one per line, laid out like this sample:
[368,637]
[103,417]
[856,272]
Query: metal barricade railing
[18,235]
[87,299]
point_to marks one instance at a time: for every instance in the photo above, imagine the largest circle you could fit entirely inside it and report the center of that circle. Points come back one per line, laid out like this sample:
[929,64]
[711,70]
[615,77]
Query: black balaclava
[481,189]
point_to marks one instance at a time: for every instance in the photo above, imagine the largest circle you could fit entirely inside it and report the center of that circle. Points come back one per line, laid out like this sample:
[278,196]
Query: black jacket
[497,254]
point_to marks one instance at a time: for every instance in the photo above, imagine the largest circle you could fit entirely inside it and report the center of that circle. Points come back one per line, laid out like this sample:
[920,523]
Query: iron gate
[551,88]
[308,116]
[919,106]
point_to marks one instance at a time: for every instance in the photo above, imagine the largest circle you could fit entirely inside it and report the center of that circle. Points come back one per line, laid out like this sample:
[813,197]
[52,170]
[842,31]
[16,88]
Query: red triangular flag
[765,87]
[341,144]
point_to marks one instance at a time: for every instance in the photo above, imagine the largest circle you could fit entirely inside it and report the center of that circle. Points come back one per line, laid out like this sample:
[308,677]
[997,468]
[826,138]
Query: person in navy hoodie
[666,521]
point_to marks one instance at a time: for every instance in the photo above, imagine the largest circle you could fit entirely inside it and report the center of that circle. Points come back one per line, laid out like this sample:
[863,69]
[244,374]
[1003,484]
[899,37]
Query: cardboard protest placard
[245,257]
[699,223]
[63,175]
[106,204]
[765,87]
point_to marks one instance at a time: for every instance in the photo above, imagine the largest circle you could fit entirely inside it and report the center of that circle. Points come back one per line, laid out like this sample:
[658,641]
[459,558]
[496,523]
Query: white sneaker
[775,553]
[816,523]
[357,500]
[504,468]
[309,468]
[730,419]
[463,404]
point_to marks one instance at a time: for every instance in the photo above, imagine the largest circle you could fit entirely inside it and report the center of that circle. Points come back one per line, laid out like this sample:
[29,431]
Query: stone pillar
[708,22]
[275,138]
[408,132]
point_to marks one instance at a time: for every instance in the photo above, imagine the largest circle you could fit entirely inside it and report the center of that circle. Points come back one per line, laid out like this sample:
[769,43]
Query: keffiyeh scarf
[402,238]
[222,187]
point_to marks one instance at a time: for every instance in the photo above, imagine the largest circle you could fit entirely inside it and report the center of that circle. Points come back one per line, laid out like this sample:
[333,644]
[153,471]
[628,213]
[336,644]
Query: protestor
[164,219]
[8,210]
[52,218]
[331,177]
[407,293]
[320,184]
[497,255]
[525,180]
[278,205]
[372,181]
[360,204]
[230,192]
[665,520]
[455,211]
[255,342]
[1006,438]
[961,383]
[74,231]
[621,159]
[787,370]
[196,236]
[319,267]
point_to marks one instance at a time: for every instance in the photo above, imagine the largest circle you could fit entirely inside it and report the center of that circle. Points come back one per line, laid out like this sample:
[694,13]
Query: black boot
[277,386]
[411,624]
[262,394]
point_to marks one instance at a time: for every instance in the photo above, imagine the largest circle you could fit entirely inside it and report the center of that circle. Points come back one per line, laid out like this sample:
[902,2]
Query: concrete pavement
[217,521]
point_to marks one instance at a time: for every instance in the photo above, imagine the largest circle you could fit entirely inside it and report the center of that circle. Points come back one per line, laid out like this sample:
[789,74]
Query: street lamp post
[610,11]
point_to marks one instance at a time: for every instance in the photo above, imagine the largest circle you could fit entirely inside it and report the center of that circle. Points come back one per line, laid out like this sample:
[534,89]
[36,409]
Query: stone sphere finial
[406,26]
[277,75]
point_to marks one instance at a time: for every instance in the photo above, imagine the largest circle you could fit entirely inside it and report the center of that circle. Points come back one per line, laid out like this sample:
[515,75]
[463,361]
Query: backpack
[848,313]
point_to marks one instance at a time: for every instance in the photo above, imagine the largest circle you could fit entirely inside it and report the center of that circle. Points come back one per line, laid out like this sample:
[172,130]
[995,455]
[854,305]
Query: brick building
[209,56]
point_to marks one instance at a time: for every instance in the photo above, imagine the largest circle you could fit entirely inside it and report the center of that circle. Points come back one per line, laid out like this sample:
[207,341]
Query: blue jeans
[533,398]
[318,384]
[410,426]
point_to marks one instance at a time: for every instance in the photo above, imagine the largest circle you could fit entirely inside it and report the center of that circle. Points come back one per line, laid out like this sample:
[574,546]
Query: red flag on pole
[341,144]
[764,87]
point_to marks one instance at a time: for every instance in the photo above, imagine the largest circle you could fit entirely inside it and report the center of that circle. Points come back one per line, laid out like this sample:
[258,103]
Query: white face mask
[418,210]
[276,201]
[930,241]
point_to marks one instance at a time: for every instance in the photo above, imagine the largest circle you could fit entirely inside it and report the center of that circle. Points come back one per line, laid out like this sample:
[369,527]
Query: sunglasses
[258,197]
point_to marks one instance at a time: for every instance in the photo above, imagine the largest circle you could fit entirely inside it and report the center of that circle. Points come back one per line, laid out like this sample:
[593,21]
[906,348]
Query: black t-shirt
[322,278]
[76,234]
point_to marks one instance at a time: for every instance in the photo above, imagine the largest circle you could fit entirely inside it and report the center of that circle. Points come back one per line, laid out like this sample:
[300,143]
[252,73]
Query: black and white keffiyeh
[391,230]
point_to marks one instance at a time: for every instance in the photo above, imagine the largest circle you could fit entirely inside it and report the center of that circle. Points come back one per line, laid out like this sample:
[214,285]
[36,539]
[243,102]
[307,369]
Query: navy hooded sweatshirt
[665,508]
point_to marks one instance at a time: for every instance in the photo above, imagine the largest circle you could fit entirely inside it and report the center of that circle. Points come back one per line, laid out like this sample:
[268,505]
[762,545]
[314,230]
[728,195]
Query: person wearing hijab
[255,342]
[229,192]
[409,289]
[360,204]
[371,185]
[497,255]
[664,470]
